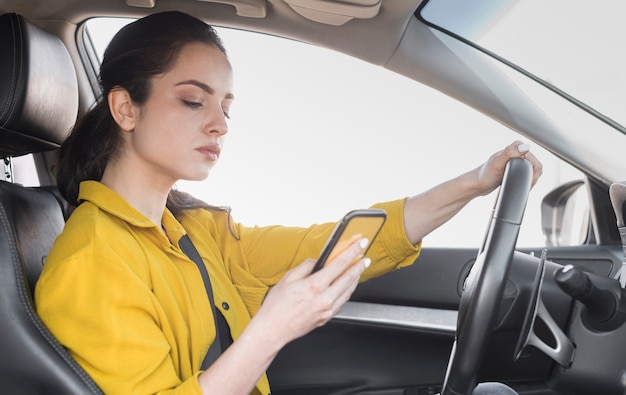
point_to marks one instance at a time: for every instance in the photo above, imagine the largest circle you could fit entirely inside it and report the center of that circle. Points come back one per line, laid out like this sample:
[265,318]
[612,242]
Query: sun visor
[335,12]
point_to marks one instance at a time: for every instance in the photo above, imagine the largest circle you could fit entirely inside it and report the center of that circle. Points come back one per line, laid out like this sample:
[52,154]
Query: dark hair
[140,51]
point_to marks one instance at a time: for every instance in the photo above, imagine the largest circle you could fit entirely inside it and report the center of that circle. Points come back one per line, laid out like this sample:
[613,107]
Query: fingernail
[523,148]
[367,262]
[363,243]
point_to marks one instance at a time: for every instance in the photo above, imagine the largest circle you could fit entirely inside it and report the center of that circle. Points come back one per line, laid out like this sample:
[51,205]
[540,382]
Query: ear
[122,109]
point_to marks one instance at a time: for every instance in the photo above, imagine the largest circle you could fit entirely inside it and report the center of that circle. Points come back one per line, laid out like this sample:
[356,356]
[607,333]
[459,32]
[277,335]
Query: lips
[211,151]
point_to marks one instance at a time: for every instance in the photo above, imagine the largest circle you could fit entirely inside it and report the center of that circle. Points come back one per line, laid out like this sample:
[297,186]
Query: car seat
[38,105]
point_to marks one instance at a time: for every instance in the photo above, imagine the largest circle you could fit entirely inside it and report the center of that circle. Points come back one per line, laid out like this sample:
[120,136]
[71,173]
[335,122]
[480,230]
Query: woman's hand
[302,301]
[491,172]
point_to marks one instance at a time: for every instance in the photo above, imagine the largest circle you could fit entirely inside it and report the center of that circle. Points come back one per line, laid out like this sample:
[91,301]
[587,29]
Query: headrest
[38,89]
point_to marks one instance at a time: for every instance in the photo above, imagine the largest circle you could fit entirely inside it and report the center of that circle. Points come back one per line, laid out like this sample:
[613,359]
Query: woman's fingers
[345,285]
[519,149]
[344,277]
[537,166]
[334,268]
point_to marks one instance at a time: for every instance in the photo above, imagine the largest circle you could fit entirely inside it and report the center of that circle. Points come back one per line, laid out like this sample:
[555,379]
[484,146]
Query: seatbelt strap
[216,348]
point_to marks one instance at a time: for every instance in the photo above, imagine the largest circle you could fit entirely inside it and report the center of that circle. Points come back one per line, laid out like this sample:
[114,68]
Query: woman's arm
[426,211]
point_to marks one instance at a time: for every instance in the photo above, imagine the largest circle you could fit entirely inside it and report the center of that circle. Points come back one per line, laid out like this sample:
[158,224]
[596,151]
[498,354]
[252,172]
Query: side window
[315,134]
[25,171]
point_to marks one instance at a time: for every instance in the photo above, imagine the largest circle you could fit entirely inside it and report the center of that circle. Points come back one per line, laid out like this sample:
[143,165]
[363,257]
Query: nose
[217,123]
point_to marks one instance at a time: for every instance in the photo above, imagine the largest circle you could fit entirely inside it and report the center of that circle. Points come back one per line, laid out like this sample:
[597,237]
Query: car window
[25,171]
[315,133]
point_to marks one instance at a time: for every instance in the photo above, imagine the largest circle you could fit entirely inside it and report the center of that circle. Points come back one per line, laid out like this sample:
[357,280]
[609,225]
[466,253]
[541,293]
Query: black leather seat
[38,105]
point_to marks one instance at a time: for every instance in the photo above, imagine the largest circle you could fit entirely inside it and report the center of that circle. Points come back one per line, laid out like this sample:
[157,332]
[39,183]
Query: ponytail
[94,140]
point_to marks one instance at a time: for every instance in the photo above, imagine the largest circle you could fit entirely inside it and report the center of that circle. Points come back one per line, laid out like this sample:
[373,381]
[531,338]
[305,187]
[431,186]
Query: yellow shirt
[132,309]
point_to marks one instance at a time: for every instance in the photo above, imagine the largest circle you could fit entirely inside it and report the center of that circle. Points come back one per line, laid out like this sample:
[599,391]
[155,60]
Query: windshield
[574,45]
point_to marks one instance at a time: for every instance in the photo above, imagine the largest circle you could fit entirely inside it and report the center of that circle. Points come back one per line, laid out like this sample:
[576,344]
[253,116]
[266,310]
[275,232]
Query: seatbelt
[222,331]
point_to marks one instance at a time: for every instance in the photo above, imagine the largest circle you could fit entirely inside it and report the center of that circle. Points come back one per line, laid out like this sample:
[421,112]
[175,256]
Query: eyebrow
[204,87]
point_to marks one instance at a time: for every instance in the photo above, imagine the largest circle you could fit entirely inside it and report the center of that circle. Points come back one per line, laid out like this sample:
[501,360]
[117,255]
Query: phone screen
[355,225]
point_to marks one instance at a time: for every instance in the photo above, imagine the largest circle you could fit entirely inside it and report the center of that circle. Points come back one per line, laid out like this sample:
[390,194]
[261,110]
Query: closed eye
[192,104]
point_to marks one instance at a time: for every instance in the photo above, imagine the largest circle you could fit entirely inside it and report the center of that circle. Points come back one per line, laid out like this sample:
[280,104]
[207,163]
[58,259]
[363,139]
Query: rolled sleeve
[391,249]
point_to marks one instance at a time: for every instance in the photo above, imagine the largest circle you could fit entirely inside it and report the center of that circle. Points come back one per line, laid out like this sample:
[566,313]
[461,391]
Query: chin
[198,176]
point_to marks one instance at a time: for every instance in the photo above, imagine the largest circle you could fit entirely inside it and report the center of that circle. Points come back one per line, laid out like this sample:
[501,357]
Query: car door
[395,335]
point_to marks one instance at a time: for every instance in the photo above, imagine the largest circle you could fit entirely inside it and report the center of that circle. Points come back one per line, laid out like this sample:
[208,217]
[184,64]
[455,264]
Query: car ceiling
[394,38]
[372,39]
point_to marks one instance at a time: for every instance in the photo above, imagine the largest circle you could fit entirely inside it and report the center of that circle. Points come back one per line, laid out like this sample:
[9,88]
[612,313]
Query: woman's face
[180,130]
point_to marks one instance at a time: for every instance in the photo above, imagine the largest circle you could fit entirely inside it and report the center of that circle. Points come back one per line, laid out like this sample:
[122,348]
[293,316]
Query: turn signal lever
[604,298]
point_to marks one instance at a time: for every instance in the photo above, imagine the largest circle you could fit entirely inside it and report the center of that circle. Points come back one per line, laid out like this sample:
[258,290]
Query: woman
[118,291]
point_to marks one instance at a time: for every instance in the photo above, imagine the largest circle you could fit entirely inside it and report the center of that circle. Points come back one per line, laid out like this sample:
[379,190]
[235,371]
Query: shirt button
[225,306]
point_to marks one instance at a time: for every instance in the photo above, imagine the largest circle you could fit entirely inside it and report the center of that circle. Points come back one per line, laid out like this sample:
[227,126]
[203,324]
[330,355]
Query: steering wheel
[485,283]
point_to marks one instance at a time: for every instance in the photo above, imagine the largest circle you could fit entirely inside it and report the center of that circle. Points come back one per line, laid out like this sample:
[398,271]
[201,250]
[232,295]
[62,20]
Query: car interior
[547,320]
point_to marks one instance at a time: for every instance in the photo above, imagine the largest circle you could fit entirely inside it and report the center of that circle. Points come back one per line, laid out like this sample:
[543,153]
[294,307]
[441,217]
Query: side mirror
[563,221]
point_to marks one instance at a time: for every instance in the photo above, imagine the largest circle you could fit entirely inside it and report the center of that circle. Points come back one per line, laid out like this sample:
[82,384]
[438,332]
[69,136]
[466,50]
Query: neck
[146,195]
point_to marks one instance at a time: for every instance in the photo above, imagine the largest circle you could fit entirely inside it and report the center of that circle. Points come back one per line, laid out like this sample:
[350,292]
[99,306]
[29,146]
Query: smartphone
[357,224]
